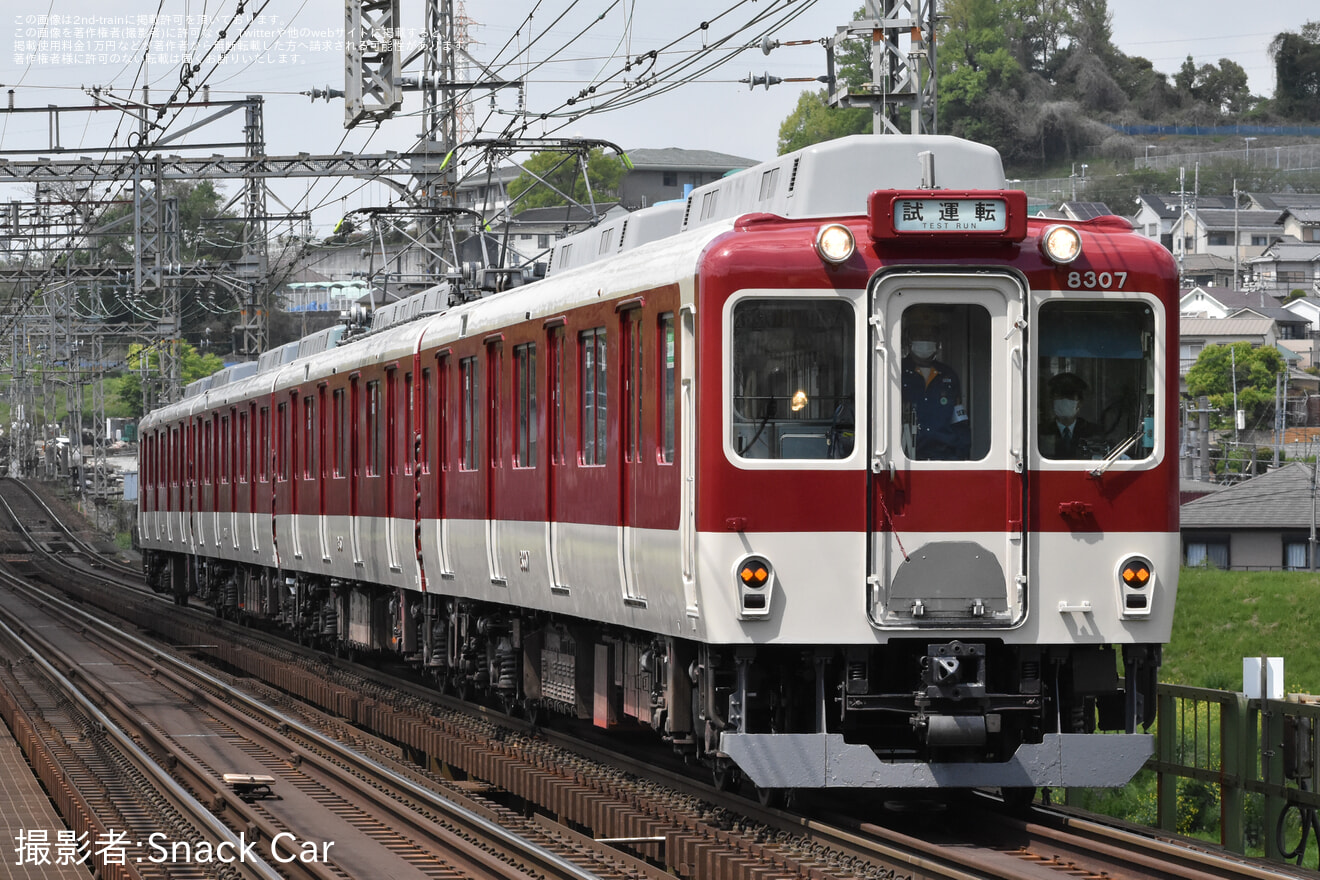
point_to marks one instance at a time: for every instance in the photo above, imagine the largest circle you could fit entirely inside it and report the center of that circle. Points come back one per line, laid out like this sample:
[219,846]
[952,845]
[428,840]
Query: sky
[296,45]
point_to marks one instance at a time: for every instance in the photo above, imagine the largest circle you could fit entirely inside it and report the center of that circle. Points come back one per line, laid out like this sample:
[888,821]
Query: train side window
[1096,381]
[340,434]
[495,384]
[794,386]
[282,432]
[631,350]
[375,428]
[409,414]
[594,396]
[443,398]
[262,440]
[470,414]
[424,423]
[556,395]
[226,448]
[668,413]
[309,437]
[524,357]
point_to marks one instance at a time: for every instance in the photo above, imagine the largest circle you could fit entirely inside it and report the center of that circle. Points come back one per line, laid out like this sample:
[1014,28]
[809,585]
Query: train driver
[935,425]
[1065,434]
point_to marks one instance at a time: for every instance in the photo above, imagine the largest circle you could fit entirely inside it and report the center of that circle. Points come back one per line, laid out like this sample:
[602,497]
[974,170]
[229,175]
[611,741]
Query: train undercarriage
[766,712]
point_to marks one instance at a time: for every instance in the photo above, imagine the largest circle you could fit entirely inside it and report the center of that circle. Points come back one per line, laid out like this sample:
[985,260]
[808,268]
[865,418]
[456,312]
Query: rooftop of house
[1278,499]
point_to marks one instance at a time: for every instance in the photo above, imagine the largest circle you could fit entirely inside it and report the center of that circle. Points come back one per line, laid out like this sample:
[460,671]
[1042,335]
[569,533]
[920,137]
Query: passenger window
[1096,381]
[794,386]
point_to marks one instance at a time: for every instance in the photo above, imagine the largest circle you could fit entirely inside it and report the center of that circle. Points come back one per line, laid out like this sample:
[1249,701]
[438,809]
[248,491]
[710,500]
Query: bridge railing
[1240,748]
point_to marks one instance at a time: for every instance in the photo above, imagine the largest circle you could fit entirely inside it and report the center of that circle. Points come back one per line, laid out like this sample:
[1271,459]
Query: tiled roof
[1278,499]
[686,160]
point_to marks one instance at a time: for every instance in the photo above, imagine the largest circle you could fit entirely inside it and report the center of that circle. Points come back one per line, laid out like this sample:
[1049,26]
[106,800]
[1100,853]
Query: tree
[974,63]
[1254,369]
[1297,72]
[564,174]
[814,120]
[127,388]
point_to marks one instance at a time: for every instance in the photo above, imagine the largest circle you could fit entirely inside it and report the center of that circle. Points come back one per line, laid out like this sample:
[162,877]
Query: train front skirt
[825,760]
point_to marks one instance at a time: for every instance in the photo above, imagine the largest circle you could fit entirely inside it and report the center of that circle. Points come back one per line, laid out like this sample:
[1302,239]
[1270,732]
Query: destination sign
[950,215]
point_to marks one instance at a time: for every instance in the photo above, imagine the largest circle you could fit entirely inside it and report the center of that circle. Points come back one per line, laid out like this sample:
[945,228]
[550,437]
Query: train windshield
[1096,381]
[793,379]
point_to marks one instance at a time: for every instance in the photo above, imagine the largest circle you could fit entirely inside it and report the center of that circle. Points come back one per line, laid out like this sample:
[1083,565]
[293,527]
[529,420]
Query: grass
[1223,616]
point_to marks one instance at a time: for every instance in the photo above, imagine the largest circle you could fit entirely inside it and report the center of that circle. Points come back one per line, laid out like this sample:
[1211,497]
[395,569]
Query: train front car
[937,492]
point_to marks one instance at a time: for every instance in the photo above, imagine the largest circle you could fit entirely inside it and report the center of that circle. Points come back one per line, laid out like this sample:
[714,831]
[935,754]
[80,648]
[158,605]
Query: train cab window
[1096,381]
[794,383]
[945,370]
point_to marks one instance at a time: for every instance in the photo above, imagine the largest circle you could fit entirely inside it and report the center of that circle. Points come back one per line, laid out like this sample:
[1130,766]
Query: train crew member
[1065,434]
[935,419]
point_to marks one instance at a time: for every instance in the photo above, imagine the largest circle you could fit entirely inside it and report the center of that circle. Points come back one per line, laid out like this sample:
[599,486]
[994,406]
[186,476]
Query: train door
[947,426]
[299,438]
[389,440]
[494,458]
[322,466]
[555,470]
[632,467]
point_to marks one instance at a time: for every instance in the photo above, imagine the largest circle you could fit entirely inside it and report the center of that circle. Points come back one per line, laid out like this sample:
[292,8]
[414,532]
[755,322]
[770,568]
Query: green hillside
[1223,616]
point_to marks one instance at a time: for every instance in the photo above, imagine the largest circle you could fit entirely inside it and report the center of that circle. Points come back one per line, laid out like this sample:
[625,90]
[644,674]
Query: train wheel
[725,774]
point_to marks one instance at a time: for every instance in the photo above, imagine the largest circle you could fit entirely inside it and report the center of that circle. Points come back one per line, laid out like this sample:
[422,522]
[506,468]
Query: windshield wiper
[1114,455]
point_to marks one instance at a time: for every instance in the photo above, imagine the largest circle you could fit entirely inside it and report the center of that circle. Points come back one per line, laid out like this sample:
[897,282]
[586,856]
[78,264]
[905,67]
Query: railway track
[280,797]
[656,814]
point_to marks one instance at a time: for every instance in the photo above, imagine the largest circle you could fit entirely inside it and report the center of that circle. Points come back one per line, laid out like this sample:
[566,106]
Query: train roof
[823,180]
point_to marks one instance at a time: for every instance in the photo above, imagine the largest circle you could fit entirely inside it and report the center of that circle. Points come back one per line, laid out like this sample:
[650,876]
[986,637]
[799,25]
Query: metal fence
[1241,748]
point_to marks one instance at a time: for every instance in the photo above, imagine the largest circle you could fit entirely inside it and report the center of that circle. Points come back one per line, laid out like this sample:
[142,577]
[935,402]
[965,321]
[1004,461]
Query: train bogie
[788,476]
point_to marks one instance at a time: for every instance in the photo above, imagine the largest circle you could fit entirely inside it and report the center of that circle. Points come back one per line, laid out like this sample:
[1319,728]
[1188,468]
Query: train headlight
[755,580]
[834,243]
[1061,244]
[1136,586]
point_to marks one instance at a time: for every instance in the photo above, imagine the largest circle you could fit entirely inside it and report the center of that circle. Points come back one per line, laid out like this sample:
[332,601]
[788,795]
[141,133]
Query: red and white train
[679,481]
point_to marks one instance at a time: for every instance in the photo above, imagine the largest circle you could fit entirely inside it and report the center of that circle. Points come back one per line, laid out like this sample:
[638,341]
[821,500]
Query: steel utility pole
[900,80]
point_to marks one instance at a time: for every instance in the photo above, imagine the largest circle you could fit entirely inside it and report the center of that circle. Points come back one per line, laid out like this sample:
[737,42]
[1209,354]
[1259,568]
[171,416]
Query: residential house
[1285,266]
[1196,333]
[1307,307]
[1221,231]
[1209,270]
[1291,333]
[1220,302]
[1259,524]
[1302,224]
[660,175]
[1157,213]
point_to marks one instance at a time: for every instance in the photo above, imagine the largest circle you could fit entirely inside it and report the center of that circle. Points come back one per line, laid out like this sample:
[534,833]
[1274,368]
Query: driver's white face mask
[1065,408]
[923,349]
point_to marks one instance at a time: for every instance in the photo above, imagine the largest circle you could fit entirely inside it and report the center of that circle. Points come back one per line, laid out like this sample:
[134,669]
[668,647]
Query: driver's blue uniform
[942,429]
